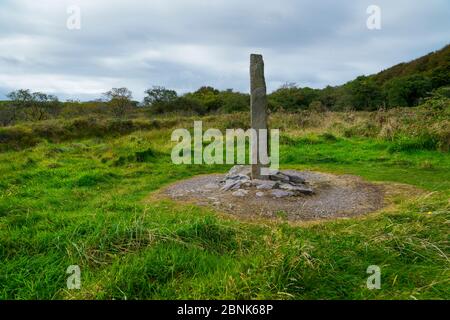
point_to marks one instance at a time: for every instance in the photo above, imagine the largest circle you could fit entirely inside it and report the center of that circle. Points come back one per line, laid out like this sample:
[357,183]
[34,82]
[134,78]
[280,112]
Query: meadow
[78,192]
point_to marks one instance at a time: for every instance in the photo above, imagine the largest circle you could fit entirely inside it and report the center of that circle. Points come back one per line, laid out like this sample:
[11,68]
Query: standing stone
[258,106]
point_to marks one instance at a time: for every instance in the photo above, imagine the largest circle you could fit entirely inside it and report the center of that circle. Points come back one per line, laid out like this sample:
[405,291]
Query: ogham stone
[258,106]
[240,179]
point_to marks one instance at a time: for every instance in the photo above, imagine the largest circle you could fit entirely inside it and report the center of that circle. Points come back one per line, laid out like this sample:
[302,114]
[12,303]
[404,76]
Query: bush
[329,137]
[364,129]
[17,138]
[146,155]
[407,144]
[292,98]
[181,105]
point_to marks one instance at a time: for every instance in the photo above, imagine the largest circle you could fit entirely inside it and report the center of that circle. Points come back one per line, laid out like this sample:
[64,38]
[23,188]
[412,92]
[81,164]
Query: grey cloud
[183,44]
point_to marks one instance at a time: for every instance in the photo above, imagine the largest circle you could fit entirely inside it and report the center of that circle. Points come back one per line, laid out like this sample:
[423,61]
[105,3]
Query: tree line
[404,85]
[25,105]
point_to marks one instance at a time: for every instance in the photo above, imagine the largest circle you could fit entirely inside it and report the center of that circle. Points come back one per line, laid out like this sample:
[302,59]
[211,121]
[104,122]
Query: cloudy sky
[184,44]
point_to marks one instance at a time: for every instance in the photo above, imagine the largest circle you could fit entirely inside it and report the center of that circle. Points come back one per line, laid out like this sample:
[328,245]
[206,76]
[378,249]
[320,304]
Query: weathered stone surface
[306,190]
[295,178]
[240,193]
[281,193]
[239,179]
[287,186]
[246,184]
[296,188]
[258,106]
[239,170]
[267,185]
[260,194]
[231,185]
[279,176]
[257,182]
[243,177]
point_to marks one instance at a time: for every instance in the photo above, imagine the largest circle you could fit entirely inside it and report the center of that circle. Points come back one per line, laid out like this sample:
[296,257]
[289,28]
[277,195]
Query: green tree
[158,95]
[32,106]
[119,99]
[407,91]
[234,101]
[365,93]
[208,97]
[440,76]
[20,101]
[290,97]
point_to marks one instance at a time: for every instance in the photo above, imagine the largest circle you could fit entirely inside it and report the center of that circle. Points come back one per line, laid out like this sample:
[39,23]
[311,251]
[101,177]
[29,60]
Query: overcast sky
[184,44]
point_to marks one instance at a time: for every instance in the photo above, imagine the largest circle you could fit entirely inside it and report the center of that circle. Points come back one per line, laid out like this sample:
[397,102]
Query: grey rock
[238,170]
[295,178]
[257,182]
[281,193]
[305,190]
[258,103]
[246,184]
[279,177]
[240,193]
[237,185]
[267,185]
[260,194]
[286,186]
[231,185]
[297,188]
[237,177]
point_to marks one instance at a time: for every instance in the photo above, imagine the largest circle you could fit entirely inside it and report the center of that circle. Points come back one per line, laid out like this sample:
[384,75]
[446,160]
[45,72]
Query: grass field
[82,202]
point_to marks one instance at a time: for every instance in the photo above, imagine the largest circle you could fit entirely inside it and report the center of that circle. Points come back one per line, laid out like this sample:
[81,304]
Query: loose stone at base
[301,189]
[239,178]
[266,185]
[240,193]
[281,193]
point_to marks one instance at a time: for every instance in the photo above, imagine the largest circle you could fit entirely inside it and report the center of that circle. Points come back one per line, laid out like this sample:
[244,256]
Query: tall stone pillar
[258,106]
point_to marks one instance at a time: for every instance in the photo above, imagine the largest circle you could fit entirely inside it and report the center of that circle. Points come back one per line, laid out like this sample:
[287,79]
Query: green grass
[81,203]
[372,159]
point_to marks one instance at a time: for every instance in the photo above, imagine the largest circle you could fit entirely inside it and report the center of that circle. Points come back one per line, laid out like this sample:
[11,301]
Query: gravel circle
[334,196]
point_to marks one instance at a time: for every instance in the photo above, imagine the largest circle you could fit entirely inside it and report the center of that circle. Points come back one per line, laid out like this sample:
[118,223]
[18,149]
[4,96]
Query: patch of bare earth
[335,196]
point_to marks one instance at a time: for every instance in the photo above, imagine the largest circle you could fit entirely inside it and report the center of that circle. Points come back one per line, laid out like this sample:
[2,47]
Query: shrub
[17,138]
[146,155]
[364,129]
[328,137]
[407,144]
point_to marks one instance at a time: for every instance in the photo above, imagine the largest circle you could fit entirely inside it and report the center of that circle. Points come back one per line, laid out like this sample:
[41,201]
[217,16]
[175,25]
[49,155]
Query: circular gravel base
[334,196]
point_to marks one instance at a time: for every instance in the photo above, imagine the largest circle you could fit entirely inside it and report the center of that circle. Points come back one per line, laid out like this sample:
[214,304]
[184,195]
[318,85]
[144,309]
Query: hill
[403,85]
[434,63]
